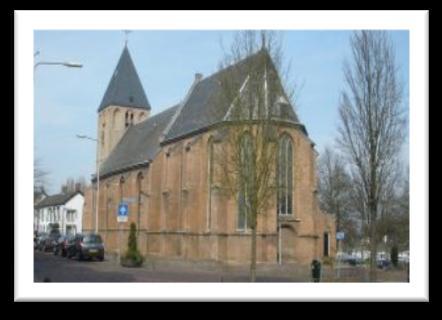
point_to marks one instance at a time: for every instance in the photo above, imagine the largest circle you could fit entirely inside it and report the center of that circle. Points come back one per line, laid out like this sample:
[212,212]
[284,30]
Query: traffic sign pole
[122,216]
[339,237]
[339,260]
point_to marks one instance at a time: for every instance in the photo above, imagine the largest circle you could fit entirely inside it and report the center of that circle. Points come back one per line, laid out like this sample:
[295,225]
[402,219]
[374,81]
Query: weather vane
[126,36]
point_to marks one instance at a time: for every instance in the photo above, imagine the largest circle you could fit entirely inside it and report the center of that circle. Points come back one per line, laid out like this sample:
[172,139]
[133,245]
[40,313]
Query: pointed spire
[125,88]
[263,40]
[126,37]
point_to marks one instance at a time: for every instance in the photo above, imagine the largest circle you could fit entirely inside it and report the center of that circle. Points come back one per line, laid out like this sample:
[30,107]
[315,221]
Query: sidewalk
[269,272]
[226,272]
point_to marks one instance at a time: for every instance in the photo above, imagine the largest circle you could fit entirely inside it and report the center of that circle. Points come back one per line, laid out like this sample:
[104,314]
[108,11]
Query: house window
[246,180]
[285,176]
[70,215]
[126,122]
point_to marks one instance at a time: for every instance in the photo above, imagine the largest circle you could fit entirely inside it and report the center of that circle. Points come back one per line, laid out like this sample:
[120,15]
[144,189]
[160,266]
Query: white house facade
[61,211]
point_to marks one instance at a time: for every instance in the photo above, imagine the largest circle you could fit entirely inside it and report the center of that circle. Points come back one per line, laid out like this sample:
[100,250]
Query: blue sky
[67,99]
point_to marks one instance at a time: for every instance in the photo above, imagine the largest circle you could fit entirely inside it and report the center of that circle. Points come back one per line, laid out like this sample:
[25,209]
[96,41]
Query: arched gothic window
[139,193]
[209,181]
[285,176]
[121,188]
[246,180]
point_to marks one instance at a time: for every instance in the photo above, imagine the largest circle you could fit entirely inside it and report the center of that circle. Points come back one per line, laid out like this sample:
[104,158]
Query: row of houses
[62,211]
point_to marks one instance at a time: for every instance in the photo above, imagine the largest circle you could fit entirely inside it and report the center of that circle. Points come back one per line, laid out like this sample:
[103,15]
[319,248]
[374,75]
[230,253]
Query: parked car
[404,257]
[383,263]
[62,244]
[383,260]
[36,234]
[49,241]
[350,259]
[86,246]
[41,239]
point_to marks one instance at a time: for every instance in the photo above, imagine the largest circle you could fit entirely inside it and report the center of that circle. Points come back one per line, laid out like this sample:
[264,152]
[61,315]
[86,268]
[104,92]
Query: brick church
[160,165]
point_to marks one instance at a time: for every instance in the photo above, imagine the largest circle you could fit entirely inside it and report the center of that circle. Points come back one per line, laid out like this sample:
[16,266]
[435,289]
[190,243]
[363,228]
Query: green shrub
[132,257]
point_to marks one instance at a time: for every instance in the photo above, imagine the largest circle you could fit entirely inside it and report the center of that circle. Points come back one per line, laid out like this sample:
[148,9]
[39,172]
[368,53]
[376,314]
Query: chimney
[198,77]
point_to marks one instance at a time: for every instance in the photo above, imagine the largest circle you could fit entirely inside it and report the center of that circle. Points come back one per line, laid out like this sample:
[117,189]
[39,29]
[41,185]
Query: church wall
[173,216]
[87,209]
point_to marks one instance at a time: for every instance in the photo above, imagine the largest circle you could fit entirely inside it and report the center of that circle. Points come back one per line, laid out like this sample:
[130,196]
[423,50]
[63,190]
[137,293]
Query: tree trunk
[253,256]
[373,252]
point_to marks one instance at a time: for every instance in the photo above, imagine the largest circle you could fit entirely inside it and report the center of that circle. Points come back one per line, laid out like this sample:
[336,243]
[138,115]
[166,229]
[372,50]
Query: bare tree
[334,186]
[40,179]
[246,159]
[73,185]
[371,122]
[394,220]
[403,233]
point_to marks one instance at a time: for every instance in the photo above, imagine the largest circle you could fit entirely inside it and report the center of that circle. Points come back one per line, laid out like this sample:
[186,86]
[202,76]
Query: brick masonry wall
[174,209]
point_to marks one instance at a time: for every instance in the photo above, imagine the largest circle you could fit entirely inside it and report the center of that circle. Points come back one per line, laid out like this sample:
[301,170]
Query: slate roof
[56,199]
[201,109]
[139,144]
[125,87]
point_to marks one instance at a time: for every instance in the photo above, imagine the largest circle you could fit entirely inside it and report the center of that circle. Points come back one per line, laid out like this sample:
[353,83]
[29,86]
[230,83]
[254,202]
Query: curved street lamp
[98,178]
[65,64]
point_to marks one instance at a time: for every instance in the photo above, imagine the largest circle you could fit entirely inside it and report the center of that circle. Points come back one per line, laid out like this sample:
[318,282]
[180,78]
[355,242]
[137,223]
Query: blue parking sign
[123,212]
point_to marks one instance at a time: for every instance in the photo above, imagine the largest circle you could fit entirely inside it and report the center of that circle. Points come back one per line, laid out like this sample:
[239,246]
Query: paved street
[59,269]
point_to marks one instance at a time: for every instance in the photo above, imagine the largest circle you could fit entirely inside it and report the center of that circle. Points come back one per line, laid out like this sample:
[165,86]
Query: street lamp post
[65,64]
[97,202]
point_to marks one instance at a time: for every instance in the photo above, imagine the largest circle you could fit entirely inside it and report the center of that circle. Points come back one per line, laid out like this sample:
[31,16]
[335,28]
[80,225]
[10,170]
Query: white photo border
[26,22]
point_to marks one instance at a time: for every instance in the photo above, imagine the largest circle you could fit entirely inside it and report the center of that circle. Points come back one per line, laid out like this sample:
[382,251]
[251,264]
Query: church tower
[124,104]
